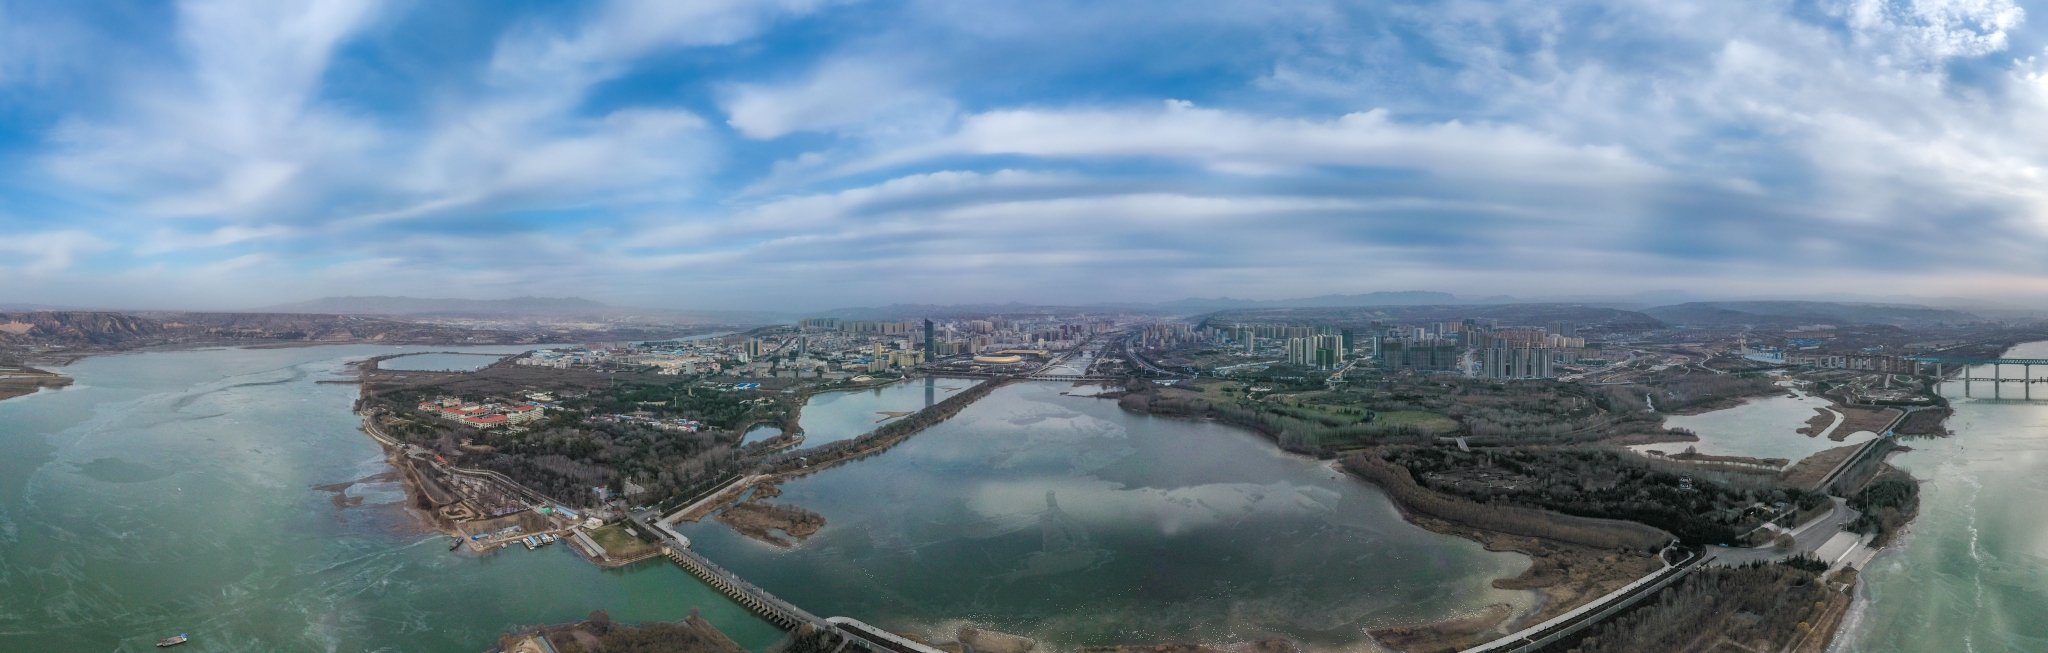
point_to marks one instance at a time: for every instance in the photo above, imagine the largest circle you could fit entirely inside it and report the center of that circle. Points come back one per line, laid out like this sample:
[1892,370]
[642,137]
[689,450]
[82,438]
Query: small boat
[173,641]
[458,543]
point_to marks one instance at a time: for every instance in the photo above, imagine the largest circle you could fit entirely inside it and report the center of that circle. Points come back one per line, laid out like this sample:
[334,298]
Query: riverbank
[24,381]
[1572,559]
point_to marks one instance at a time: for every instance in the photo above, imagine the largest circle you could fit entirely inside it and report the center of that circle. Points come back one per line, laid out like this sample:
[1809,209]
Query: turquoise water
[1067,519]
[176,492]
[1972,576]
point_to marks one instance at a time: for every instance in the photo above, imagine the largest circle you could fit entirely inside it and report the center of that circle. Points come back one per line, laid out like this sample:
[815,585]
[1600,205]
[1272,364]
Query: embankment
[28,381]
[1512,520]
[807,461]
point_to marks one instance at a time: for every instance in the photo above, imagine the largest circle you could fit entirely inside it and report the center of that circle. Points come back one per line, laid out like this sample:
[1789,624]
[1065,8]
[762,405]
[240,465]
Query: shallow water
[1765,427]
[439,362]
[175,492]
[1067,519]
[835,416]
[760,432]
[1972,576]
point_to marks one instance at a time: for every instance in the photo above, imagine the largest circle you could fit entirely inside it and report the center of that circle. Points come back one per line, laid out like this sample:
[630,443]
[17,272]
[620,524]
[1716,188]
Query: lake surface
[176,492]
[1067,519]
[1973,573]
[438,362]
[834,416]
[1765,427]
[761,432]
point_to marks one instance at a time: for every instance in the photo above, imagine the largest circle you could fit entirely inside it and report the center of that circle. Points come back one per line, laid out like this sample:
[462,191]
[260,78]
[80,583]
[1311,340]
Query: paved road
[1809,537]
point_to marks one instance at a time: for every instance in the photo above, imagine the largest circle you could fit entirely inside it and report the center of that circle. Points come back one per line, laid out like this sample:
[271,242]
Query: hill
[1507,314]
[76,328]
[82,331]
[1792,313]
[386,305]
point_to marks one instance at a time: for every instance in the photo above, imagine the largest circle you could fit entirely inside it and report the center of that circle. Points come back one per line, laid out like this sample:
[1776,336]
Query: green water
[196,492]
[1973,574]
[175,492]
[1067,519]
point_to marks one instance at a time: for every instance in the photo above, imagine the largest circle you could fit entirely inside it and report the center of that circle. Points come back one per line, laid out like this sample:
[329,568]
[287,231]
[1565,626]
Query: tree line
[1759,607]
[1401,487]
[1600,483]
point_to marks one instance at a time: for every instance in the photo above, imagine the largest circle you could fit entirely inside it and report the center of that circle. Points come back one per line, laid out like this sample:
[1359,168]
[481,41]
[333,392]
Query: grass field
[618,544]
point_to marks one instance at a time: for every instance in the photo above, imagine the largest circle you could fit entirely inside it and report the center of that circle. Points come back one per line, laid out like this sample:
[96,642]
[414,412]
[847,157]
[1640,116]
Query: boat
[458,543]
[172,641]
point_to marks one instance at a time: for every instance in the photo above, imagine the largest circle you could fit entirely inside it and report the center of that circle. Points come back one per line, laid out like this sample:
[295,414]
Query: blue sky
[805,154]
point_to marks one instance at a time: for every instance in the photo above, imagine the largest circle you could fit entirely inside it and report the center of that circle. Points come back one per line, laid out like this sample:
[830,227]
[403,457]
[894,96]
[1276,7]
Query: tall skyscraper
[1300,352]
[931,342]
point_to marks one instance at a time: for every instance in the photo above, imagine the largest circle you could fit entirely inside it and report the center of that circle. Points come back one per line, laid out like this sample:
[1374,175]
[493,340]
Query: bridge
[1072,377]
[852,633]
[1534,638]
[1997,378]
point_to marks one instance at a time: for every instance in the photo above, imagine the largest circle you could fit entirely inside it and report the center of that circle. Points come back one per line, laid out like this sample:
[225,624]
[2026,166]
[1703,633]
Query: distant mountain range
[1790,313]
[412,306]
[520,308]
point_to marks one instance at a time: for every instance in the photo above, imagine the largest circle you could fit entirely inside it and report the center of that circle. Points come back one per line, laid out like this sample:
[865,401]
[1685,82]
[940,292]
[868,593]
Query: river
[1069,520]
[228,494]
[1972,575]
[179,492]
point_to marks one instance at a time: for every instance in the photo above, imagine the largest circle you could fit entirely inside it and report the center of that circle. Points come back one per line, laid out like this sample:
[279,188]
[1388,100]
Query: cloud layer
[810,153]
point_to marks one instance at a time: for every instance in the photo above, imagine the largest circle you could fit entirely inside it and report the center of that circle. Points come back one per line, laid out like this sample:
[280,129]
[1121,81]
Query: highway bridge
[855,637]
[1997,379]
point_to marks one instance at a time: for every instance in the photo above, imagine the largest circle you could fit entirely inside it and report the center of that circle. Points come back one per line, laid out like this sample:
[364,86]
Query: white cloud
[236,133]
[877,97]
[1235,142]
[168,240]
[47,252]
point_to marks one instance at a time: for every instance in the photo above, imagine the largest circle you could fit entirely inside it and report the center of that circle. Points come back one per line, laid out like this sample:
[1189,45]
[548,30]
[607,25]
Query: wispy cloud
[746,153]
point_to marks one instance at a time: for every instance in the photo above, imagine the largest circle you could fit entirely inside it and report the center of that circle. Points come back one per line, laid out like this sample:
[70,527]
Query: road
[1131,354]
[1809,536]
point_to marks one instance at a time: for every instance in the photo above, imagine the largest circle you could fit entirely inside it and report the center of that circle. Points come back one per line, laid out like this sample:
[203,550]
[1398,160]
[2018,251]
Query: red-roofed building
[486,421]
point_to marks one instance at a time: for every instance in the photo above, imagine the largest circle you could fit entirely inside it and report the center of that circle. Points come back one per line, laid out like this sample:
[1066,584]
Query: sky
[808,154]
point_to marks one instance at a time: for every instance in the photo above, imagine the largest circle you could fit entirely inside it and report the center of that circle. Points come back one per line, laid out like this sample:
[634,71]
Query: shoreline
[1552,577]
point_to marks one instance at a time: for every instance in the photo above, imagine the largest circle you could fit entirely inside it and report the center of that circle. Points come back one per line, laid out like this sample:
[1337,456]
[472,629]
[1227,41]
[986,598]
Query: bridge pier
[1997,381]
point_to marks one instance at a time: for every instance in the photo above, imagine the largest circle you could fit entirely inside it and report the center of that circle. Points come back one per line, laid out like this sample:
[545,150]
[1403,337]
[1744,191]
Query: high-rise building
[1350,340]
[753,348]
[1300,352]
[1566,329]
[931,341]
[1328,351]
[1510,363]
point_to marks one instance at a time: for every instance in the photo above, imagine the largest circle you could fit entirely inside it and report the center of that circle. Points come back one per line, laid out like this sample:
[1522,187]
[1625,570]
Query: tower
[931,342]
